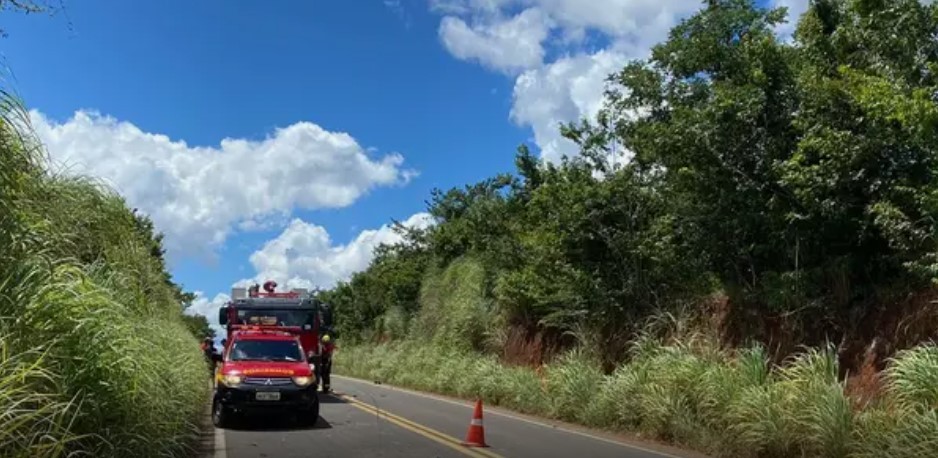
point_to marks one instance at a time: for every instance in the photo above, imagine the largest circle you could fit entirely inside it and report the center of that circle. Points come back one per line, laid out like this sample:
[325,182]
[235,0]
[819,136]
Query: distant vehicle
[264,370]
[297,312]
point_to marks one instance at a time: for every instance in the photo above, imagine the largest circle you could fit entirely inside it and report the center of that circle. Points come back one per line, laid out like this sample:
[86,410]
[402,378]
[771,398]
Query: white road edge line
[220,449]
[514,417]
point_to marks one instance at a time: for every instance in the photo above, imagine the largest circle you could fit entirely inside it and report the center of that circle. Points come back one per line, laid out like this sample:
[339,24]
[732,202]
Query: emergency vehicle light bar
[242,293]
[254,329]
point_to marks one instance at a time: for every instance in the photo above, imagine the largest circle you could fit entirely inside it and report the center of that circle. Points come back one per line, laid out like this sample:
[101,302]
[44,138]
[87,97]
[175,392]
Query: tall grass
[35,419]
[94,357]
[905,424]
[688,391]
[454,310]
[679,385]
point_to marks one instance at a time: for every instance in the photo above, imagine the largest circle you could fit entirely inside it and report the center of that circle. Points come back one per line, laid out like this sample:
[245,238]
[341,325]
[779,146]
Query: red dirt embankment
[864,343]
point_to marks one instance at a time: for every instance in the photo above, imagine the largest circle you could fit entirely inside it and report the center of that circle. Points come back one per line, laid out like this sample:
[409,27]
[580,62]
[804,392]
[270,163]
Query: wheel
[221,415]
[310,416]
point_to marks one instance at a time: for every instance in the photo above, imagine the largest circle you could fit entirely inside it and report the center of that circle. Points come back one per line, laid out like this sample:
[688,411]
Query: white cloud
[198,195]
[208,308]
[566,90]
[265,223]
[398,10]
[304,256]
[507,45]
[795,9]
[466,6]
[634,19]
[630,19]
[570,86]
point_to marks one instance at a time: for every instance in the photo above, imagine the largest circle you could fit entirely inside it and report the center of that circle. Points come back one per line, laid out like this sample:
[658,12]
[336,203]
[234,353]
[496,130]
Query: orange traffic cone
[475,437]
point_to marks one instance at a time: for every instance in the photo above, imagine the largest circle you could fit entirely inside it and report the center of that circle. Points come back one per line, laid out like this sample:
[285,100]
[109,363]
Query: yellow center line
[424,431]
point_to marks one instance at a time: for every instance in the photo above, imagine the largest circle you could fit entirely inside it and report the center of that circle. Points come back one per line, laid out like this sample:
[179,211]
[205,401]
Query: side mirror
[223,316]
[217,357]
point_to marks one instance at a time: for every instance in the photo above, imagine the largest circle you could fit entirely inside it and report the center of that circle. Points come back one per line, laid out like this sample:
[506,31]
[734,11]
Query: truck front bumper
[251,398]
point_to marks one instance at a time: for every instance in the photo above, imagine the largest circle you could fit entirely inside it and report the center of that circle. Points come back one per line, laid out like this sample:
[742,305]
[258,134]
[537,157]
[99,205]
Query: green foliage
[453,309]
[799,178]
[687,391]
[392,282]
[796,177]
[906,424]
[198,326]
[94,355]
[41,429]
[561,249]
[795,165]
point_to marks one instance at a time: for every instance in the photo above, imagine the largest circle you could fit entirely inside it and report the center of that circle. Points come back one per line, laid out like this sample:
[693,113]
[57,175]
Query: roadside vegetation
[95,358]
[688,391]
[779,203]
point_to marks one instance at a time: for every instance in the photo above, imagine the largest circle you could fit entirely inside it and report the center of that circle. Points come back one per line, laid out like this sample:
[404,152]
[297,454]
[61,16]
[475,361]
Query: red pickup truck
[264,370]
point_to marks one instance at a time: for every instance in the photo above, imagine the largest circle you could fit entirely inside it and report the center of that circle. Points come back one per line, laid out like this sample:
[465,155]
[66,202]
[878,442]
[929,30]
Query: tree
[153,241]
[805,173]
[800,176]
[866,158]
[198,326]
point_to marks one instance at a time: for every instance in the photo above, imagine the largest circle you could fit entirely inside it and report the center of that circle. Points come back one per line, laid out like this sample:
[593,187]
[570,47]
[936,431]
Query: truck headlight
[231,380]
[302,380]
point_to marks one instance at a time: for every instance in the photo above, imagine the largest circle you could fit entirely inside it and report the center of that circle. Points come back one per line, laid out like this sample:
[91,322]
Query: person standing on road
[326,364]
[327,339]
[208,350]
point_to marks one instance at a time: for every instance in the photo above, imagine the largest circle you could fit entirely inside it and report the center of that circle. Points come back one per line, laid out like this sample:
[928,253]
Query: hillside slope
[94,354]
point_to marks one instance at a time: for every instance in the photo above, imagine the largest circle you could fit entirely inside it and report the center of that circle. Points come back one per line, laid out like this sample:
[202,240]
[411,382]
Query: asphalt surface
[363,419]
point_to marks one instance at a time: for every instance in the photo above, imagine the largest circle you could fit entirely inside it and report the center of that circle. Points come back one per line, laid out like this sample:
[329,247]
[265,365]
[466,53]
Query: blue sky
[341,115]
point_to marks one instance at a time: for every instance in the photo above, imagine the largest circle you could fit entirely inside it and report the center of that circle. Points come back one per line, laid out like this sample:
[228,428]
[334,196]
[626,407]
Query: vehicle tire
[311,415]
[221,415]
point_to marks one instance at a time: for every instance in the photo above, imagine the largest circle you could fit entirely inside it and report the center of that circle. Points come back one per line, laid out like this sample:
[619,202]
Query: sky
[279,142]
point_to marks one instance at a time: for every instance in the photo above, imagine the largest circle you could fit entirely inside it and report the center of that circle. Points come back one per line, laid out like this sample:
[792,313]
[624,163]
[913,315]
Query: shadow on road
[329,398]
[279,422]
[273,422]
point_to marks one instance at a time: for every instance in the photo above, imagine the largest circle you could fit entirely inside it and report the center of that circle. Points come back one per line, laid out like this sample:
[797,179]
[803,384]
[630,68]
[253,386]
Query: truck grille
[267,381]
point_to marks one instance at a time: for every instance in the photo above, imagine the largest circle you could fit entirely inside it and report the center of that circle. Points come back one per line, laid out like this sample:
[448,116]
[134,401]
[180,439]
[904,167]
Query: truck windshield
[265,350]
[275,317]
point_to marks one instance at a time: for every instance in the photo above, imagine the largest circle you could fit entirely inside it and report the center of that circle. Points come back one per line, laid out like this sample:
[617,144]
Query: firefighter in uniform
[328,345]
[208,350]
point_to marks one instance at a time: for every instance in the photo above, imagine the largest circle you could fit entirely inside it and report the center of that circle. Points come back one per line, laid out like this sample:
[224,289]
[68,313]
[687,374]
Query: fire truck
[297,312]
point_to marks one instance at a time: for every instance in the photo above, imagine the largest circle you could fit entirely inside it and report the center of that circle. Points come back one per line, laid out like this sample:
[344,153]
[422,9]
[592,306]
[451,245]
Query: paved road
[368,420]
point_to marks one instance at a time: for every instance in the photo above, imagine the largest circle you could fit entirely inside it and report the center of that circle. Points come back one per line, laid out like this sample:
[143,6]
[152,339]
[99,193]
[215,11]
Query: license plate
[267,396]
